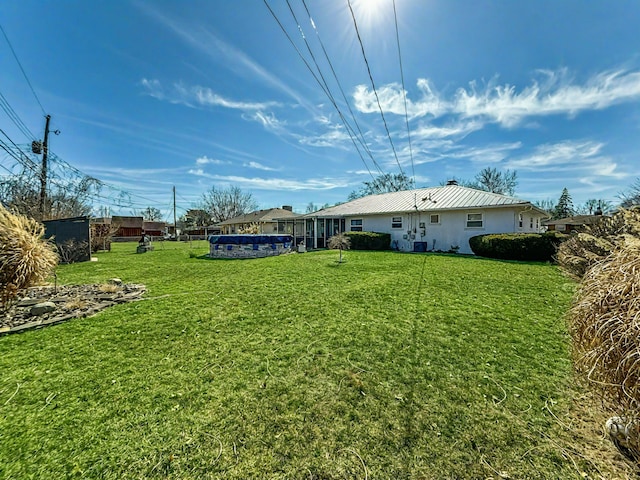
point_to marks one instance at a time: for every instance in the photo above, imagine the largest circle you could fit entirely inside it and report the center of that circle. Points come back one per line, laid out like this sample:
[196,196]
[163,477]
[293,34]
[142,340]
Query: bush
[72,251]
[598,241]
[25,258]
[534,247]
[369,240]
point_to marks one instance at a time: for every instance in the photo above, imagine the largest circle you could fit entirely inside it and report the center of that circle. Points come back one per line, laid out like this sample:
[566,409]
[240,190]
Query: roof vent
[452,182]
[287,207]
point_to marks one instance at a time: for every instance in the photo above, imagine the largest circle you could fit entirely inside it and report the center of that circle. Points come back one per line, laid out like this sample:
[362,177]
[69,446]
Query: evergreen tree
[564,208]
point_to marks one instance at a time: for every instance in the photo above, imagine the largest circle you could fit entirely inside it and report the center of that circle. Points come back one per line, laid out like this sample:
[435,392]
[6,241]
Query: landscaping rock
[42,308]
[63,303]
[115,281]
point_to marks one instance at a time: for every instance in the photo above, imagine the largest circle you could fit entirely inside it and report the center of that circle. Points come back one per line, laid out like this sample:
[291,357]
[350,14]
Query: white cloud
[153,88]
[557,155]
[268,120]
[335,137]
[198,95]
[583,158]
[391,98]
[276,184]
[206,96]
[204,160]
[222,53]
[259,166]
[554,94]
[459,130]
[487,154]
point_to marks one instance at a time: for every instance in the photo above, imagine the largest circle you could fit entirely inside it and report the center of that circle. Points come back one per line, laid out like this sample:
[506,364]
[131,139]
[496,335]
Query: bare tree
[496,181]
[70,198]
[150,214]
[223,204]
[595,206]
[631,197]
[548,205]
[387,182]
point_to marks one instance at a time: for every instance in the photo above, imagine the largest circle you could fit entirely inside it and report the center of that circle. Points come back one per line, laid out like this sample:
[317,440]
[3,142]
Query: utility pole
[175,225]
[43,174]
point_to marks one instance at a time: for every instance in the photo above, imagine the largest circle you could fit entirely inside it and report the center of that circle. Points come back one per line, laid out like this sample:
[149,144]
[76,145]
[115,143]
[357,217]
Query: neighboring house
[132,227]
[437,218]
[266,221]
[127,226]
[154,229]
[571,224]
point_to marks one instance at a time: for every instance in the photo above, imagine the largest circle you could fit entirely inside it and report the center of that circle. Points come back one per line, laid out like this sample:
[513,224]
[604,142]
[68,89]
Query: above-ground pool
[248,246]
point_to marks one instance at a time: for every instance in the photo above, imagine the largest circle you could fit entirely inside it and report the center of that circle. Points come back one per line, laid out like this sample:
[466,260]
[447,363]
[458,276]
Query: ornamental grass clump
[26,259]
[577,254]
[605,326]
[339,242]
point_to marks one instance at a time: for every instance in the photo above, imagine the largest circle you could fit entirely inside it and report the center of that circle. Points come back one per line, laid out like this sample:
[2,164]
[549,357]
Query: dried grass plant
[583,250]
[26,259]
[605,327]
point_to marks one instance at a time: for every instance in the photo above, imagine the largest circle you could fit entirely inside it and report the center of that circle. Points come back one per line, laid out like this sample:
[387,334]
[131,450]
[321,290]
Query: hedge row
[369,240]
[533,247]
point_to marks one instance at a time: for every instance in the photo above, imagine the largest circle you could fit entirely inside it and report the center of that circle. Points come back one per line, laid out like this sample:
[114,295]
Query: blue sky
[149,95]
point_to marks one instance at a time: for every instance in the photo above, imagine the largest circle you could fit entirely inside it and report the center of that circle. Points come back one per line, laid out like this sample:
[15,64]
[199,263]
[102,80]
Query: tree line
[21,193]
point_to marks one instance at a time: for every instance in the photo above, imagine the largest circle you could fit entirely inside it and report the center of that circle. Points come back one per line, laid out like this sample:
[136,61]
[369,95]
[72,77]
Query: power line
[404,93]
[373,85]
[22,70]
[11,113]
[347,126]
[327,89]
[344,96]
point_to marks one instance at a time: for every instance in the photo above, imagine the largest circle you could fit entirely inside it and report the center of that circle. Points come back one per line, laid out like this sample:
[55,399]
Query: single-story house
[265,221]
[571,224]
[426,219]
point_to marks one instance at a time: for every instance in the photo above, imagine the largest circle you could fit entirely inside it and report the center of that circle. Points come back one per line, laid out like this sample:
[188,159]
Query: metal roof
[260,216]
[576,220]
[433,199]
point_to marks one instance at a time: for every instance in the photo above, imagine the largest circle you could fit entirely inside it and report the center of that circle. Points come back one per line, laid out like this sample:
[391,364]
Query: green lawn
[386,366]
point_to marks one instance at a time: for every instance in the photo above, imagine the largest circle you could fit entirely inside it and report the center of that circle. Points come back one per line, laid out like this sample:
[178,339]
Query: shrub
[598,241]
[540,247]
[101,236]
[25,258]
[72,251]
[369,240]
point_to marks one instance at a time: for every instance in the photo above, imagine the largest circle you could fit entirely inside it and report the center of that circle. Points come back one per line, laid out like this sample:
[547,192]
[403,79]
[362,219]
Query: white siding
[452,230]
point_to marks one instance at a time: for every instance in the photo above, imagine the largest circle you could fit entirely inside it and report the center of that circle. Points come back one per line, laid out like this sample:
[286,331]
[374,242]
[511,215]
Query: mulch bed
[71,301]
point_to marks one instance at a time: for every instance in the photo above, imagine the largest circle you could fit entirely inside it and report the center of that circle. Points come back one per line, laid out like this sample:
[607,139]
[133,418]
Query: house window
[396,222]
[356,225]
[474,220]
[520,223]
[434,219]
[530,222]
